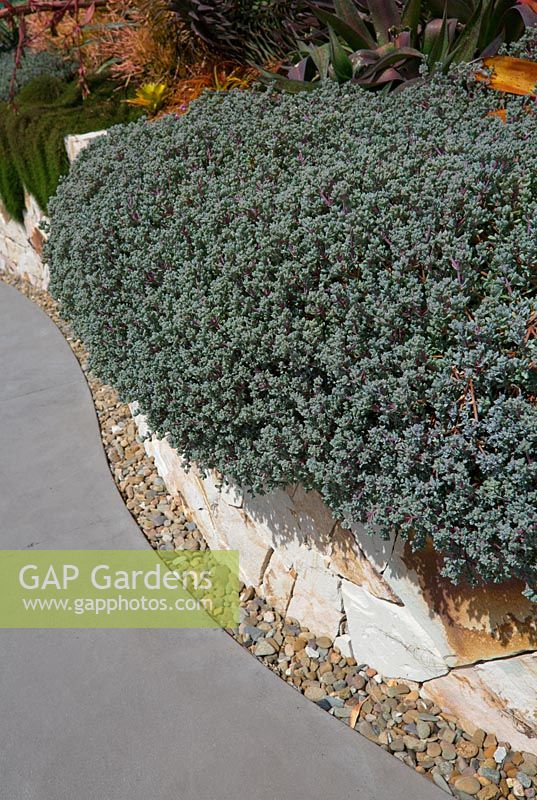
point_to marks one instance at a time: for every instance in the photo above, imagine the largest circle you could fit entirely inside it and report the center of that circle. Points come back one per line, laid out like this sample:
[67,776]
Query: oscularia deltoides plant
[336,289]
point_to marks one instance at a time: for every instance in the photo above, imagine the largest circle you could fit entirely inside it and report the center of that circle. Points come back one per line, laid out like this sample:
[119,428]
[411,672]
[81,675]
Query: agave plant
[379,43]
[252,30]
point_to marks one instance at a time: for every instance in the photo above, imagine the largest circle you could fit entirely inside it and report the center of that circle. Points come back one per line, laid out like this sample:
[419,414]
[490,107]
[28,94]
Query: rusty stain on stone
[480,622]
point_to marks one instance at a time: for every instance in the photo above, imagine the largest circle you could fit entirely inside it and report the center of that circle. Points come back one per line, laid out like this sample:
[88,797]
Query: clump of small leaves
[32,65]
[334,288]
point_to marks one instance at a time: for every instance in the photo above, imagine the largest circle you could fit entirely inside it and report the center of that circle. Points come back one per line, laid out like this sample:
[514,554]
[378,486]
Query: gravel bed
[465,763]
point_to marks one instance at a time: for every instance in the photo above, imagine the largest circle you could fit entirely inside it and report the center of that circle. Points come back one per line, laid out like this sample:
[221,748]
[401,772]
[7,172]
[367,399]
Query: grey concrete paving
[133,715]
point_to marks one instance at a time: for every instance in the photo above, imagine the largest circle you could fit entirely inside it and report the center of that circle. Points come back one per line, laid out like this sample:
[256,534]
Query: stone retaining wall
[21,244]
[474,650]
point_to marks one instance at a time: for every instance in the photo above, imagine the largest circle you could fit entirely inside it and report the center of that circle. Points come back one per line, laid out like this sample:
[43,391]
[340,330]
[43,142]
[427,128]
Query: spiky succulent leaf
[347,11]
[321,58]
[466,30]
[249,29]
[340,61]
[411,17]
[456,9]
[355,39]
[467,44]
[285,84]
[438,48]
[385,15]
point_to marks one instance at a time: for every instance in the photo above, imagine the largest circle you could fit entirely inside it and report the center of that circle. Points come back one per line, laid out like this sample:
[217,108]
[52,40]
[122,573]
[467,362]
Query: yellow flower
[150,96]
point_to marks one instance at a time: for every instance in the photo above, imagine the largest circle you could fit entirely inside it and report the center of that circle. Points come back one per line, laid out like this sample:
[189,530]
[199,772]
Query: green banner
[119,589]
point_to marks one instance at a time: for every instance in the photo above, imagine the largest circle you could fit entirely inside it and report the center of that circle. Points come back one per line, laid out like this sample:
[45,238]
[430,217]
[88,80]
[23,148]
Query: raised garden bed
[391,604]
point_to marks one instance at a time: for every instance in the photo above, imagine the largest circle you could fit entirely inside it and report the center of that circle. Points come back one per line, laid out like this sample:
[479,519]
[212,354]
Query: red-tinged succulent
[381,43]
[257,30]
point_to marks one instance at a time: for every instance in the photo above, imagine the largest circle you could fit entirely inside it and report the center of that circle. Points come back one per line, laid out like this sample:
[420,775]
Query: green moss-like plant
[32,132]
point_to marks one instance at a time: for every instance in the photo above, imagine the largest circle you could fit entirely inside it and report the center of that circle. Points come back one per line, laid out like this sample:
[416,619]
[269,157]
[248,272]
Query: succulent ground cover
[33,65]
[464,761]
[336,289]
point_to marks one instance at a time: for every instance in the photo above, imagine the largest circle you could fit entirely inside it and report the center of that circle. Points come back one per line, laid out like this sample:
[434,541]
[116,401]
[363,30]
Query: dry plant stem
[57,9]
[35,7]
[137,41]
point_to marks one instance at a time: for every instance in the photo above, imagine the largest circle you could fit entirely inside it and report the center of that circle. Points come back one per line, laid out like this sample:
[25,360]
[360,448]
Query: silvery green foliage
[526,47]
[330,288]
[33,65]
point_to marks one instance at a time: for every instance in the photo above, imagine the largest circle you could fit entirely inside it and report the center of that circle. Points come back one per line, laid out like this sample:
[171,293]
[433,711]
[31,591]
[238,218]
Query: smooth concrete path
[136,715]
